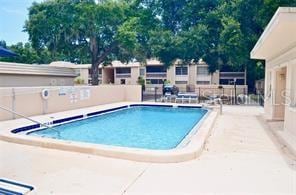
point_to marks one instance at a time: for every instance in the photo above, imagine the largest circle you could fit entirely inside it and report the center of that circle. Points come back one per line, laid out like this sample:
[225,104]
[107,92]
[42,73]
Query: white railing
[181,78]
[156,74]
[123,75]
[229,75]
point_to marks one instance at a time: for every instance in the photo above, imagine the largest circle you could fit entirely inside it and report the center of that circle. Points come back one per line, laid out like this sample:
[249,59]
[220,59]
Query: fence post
[199,95]
[155,93]
[235,100]
[231,96]
[142,94]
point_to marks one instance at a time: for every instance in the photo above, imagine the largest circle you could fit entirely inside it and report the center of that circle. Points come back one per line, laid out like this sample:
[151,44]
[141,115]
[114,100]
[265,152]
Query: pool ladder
[32,120]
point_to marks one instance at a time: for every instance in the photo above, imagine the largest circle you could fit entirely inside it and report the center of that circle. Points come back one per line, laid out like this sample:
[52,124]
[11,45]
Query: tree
[221,32]
[3,44]
[26,54]
[102,31]
[183,33]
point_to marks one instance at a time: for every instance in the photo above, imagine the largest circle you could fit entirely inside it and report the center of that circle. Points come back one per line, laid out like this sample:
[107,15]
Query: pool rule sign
[84,94]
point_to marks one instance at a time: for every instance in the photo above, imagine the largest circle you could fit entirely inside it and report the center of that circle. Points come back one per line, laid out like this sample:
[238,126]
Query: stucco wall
[192,74]
[28,100]
[290,112]
[84,74]
[216,78]
[171,74]
[273,66]
[290,122]
[17,80]
[132,80]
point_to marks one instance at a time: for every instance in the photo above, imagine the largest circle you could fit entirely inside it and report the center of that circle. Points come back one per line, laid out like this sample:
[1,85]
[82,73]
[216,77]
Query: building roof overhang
[31,69]
[279,36]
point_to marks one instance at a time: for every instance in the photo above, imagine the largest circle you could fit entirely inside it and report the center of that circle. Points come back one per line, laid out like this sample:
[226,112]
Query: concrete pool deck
[241,157]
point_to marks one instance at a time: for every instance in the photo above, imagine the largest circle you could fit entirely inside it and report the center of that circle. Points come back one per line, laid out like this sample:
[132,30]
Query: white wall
[290,111]
[285,59]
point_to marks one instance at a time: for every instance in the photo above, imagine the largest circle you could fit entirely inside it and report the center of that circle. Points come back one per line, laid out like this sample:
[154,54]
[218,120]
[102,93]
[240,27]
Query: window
[202,82]
[180,82]
[182,70]
[142,71]
[155,69]
[203,70]
[123,70]
[154,81]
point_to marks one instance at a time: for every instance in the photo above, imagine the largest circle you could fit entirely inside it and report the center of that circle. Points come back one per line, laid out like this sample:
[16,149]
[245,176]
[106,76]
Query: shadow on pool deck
[275,130]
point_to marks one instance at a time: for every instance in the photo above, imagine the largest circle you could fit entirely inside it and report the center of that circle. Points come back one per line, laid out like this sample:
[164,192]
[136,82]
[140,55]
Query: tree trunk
[97,60]
[94,65]
[95,74]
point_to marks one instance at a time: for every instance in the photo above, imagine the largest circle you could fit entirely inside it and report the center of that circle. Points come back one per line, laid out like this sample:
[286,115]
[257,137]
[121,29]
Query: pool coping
[191,150]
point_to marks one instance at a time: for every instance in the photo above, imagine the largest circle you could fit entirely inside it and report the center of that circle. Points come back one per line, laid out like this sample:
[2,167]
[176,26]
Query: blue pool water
[146,127]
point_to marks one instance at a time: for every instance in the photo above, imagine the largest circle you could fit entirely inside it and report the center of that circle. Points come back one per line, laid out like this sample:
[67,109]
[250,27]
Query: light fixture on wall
[283,76]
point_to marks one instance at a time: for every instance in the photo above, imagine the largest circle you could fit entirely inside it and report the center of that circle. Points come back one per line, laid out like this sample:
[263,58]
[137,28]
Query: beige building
[120,73]
[155,74]
[181,75]
[277,46]
[115,73]
[20,75]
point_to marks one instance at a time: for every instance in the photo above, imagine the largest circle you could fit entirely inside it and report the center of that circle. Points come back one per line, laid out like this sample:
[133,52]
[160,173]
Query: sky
[13,14]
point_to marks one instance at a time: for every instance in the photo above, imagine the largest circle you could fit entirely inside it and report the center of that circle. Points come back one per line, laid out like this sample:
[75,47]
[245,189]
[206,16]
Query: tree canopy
[27,54]
[221,32]
[86,29]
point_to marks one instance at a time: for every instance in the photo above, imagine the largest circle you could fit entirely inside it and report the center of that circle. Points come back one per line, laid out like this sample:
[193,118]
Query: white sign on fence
[84,94]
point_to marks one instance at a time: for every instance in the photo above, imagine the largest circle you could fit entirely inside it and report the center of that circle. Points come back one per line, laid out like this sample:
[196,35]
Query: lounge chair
[9,187]
[186,97]
[167,97]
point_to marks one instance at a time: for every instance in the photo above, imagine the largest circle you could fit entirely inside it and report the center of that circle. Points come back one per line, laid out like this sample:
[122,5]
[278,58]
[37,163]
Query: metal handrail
[32,120]
[219,100]
[221,105]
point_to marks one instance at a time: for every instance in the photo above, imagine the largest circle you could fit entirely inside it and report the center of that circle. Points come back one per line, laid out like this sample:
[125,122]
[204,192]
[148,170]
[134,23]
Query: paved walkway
[240,158]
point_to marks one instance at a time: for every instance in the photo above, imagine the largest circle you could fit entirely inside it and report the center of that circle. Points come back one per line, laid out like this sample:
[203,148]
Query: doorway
[108,76]
[280,94]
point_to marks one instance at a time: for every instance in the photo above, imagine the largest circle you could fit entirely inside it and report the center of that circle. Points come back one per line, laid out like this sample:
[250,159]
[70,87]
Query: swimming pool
[135,126]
